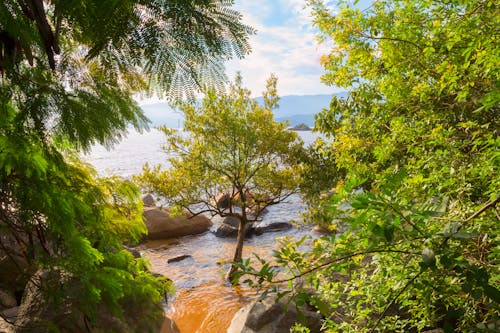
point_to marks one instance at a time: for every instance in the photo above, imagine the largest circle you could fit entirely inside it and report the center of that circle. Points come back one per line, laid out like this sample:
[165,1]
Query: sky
[285,44]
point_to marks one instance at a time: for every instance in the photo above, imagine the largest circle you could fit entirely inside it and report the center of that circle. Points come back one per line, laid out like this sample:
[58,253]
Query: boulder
[225,230]
[10,314]
[267,316]
[148,200]
[161,225]
[7,300]
[6,327]
[273,227]
[14,268]
[40,311]
[231,221]
[169,326]
[321,230]
[223,200]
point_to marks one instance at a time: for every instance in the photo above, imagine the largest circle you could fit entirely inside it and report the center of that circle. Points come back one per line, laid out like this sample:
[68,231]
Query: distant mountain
[296,109]
[297,119]
[161,114]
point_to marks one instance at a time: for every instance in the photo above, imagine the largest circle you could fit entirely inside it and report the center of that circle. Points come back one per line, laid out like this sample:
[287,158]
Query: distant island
[300,127]
[292,108]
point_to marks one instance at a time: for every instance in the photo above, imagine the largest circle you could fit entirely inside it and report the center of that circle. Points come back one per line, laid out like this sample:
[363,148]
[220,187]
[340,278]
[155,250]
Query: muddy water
[204,302]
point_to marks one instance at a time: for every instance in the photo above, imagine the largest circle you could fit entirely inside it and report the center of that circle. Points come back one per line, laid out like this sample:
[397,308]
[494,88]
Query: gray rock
[41,312]
[134,252]
[321,230]
[267,316]
[224,231]
[11,314]
[7,300]
[14,268]
[273,227]
[148,200]
[232,221]
[228,231]
[178,258]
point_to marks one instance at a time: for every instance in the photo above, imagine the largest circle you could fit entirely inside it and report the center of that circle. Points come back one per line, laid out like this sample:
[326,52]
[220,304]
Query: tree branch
[337,260]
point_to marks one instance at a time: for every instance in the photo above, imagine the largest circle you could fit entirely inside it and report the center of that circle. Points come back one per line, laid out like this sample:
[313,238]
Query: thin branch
[391,39]
[487,205]
[328,263]
[393,301]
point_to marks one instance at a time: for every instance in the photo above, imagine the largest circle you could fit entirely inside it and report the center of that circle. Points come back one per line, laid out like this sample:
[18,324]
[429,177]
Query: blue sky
[285,45]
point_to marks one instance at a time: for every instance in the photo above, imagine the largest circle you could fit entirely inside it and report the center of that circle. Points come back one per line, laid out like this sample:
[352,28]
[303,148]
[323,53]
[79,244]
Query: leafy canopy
[417,145]
[233,145]
[68,70]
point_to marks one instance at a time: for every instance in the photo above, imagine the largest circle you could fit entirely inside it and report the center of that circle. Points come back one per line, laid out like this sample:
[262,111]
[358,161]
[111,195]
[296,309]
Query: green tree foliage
[230,145]
[68,70]
[418,140]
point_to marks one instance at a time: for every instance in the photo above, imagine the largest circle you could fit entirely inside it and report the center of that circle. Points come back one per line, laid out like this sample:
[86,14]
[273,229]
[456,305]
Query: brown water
[204,302]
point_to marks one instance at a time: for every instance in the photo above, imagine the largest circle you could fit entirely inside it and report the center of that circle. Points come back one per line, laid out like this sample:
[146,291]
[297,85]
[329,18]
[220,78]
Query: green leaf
[493,293]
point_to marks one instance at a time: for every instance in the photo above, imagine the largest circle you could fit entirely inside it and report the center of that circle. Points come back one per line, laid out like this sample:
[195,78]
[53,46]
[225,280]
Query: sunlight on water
[204,302]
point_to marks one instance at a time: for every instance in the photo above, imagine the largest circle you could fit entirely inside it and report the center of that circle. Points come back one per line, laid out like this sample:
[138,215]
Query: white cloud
[288,49]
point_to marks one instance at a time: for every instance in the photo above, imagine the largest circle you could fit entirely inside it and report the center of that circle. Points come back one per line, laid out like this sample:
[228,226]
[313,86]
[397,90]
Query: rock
[7,300]
[6,327]
[273,227]
[225,230]
[321,230]
[223,200]
[178,258]
[148,200]
[161,225]
[14,268]
[41,312]
[10,314]
[231,221]
[267,316]
[38,312]
[169,326]
[134,252]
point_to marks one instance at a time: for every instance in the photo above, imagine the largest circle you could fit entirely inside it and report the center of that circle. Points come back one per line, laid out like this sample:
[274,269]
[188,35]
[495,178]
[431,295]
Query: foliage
[231,145]
[418,140]
[68,71]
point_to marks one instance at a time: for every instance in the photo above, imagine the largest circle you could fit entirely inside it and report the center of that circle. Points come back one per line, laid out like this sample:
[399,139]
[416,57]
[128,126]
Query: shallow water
[203,302]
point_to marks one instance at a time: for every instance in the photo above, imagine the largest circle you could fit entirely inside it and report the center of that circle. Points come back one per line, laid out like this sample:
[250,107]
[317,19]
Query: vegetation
[68,70]
[301,127]
[233,147]
[417,146]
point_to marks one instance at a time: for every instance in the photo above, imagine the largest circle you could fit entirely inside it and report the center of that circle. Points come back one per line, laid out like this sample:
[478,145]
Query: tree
[418,141]
[231,145]
[68,71]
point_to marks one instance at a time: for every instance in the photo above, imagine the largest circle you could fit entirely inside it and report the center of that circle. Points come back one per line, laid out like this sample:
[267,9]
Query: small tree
[232,146]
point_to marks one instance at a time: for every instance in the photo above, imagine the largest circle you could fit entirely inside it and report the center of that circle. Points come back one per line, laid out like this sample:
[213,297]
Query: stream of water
[203,302]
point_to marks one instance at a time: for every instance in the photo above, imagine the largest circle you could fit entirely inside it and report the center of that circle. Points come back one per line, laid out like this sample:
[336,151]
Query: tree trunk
[238,252]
